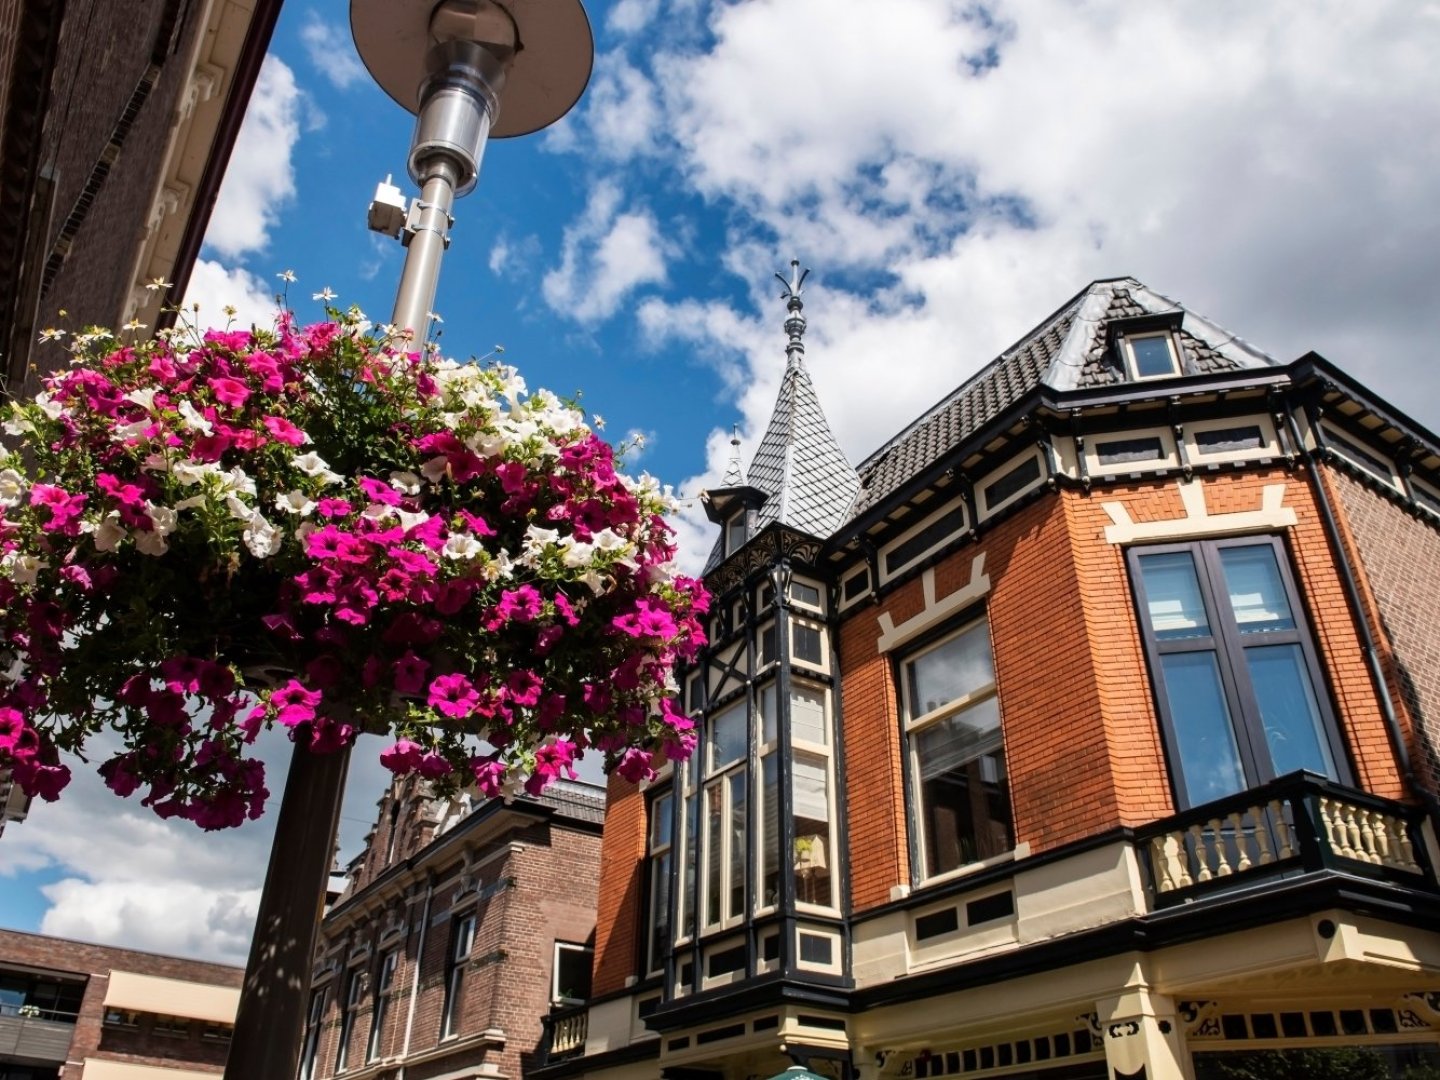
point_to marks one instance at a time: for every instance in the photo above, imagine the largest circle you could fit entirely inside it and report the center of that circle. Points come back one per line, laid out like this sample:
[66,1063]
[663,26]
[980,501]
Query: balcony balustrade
[44,1035]
[566,1030]
[1297,824]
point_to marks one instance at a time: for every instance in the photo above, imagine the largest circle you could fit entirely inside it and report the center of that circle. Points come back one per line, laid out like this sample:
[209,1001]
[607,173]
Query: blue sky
[952,172]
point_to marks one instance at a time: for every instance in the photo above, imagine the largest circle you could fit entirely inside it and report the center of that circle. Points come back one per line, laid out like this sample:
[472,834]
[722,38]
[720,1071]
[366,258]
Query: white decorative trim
[935,611]
[1198,521]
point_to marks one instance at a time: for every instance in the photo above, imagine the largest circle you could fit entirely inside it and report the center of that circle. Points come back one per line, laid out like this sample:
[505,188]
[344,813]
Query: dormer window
[1150,356]
[735,533]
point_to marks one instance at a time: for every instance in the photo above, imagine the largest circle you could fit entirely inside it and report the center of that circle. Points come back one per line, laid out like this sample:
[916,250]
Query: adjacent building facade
[116,124]
[460,927]
[90,1012]
[1087,729]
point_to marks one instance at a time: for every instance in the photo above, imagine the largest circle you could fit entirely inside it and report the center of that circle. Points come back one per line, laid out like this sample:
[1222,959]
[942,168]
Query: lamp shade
[548,75]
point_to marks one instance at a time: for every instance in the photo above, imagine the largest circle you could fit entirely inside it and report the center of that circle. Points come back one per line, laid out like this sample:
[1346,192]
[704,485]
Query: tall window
[1236,676]
[722,800]
[354,992]
[380,1003]
[812,855]
[311,1049]
[957,752]
[570,976]
[462,940]
[661,865]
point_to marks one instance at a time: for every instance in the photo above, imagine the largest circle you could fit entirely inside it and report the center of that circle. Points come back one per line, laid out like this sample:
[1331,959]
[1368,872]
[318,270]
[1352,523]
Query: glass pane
[804,594]
[811,785]
[1172,596]
[1204,734]
[769,648]
[951,670]
[807,715]
[808,644]
[727,736]
[737,844]
[769,713]
[1152,356]
[735,534]
[659,910]
[692,845]
[714,850]
[661,822]
[1256,591]
[770,833]
[964,793]
[1289,711]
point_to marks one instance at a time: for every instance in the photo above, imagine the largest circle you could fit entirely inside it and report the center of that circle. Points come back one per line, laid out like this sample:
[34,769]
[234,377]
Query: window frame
[911,724]
[660,862]
[928,518]
[380,1001]
[1132,366]
[455,960]
[314,1021]
[557,996]
[1227,643]
[354,994]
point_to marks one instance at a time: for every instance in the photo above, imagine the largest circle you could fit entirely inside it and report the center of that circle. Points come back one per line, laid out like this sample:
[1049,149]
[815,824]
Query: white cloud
[606,255]
[332,50]
[632,16]
[622,113]
[214,287]
[260,179]
[1270,166]
[127,878]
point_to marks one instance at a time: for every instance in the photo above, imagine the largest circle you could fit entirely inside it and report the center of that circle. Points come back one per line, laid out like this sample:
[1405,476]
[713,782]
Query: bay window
[1236,677]
[959,789]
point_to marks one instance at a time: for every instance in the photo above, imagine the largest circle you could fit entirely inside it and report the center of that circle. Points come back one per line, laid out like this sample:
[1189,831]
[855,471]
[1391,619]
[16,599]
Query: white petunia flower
[434,469]
[12,488]
[405,482]
[151,543]
[190,472]
[410,520]
[312,464]
[239,510]
[109,533]
[48,405]
[22,569]
[461,546]
[295,502]
[193,420]
[577,555]
[262,538]
[144,397]
[163,519]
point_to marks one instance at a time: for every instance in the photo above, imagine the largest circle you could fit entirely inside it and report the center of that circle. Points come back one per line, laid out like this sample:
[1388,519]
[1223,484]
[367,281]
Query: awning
[95,1069]
[171,997]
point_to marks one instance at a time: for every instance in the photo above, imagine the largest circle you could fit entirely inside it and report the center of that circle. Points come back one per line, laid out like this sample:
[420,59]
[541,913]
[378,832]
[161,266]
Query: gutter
[415,981]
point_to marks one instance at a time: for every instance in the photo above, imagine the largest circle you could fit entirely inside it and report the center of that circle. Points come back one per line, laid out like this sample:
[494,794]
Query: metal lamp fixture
[469,70]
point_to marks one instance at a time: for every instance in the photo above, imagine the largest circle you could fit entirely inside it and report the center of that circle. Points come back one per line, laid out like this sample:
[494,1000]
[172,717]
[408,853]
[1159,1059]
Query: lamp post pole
[468,57]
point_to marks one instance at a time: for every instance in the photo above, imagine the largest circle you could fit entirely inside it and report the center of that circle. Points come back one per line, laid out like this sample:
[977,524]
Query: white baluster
[1242,843]
[1202,856]
[1285,836]
[1217,839]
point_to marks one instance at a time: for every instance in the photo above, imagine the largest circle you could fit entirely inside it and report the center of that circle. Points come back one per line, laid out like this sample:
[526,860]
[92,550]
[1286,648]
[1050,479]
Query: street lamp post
[469,70]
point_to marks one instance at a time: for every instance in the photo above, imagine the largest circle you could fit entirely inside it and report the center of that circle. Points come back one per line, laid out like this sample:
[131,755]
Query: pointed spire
[795,322]
[734,474]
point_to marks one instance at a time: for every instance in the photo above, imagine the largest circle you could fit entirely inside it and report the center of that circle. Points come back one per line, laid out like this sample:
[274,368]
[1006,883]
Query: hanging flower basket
[204,536]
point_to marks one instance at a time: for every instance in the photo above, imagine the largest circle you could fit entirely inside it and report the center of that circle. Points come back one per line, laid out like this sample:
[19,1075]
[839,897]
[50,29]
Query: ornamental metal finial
[733,475]
[795,323]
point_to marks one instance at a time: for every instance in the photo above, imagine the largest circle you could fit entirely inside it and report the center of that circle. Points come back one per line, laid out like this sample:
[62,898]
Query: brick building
[90,1012]
[457,932]
[1087,729]
[116,123]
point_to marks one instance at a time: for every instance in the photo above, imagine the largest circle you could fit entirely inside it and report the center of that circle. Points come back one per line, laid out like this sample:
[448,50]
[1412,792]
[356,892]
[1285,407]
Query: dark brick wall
[102,58]
[537,887]
[1397,555]
[142,1046]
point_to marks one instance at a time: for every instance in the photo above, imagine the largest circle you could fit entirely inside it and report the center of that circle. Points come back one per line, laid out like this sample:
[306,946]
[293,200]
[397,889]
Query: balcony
[43,1036]
[565,1032]
[1298,824]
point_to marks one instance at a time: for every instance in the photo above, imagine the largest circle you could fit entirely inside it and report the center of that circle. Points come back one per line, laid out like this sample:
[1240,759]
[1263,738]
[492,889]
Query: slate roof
[1068,351]
[809,481]
[574,799]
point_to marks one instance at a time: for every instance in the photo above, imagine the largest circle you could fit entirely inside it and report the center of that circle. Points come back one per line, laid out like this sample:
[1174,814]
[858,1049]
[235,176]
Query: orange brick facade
[1082,739]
